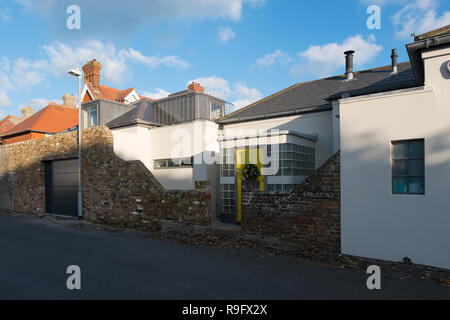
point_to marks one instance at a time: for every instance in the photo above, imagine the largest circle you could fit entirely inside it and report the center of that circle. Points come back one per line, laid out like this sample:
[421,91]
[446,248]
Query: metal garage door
[61,187]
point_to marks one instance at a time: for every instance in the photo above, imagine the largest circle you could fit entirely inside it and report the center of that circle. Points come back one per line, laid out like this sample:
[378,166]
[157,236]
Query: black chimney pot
[349,64]
[394,57]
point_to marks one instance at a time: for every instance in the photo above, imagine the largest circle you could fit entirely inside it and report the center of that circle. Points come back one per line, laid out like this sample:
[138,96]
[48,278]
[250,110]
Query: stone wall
[115,192]
[309,215]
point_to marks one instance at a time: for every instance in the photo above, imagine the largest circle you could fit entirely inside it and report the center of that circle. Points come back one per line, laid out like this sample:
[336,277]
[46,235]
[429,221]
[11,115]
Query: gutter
[414,49]
[9,135]
[311,137]
[277,115]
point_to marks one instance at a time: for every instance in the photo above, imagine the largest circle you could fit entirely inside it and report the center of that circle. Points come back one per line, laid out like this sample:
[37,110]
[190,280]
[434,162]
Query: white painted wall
[319,123]
[177,141]
[376,223]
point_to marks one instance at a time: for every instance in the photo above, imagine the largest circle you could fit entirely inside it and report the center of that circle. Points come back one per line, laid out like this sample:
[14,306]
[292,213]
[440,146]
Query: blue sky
[240,50]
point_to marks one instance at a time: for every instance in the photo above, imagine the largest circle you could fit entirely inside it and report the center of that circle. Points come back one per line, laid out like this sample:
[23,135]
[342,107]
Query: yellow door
[248,156]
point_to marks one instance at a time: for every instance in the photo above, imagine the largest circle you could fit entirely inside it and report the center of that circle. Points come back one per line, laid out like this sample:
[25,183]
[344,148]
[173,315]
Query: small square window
[408,167]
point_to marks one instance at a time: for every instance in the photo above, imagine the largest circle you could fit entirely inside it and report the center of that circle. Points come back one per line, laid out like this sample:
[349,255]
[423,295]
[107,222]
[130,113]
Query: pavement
[35,253]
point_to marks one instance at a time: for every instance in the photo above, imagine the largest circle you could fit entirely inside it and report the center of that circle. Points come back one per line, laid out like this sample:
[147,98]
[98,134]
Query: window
[90,116]
[227,199]
[174,163]
[227,167]
[408,167]
[294,160]
[216,111]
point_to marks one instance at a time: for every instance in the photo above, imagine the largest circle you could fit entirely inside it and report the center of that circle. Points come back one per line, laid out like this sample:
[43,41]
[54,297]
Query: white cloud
[28,73]
[324,60]
[24,74]
[419,17]
[237,93]
[160,93]
[382,2]
[245,96]
[255,3]
[127,16]
[5,14]
[115,62]
[225,34]
[276,57]
[5,101]
[153,62]
[37,103]
[19,74]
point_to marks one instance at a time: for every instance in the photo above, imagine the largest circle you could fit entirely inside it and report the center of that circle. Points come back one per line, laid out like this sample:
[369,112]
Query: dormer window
[90,117]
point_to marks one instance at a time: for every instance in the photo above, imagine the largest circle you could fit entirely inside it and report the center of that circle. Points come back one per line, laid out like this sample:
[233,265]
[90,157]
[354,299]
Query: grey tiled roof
[315,95]
[141,114]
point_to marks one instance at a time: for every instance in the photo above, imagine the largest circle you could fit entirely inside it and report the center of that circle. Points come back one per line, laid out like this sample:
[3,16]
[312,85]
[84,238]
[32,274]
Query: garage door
[61,187]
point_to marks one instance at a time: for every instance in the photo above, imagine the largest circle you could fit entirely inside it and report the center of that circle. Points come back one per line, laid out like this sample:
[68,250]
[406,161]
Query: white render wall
[319,123]
[374,222]
[149,144]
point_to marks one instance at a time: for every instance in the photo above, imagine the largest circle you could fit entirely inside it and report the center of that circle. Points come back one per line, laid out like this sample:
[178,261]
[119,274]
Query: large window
[174,163]
[294,160]
[408,167]
[90,116]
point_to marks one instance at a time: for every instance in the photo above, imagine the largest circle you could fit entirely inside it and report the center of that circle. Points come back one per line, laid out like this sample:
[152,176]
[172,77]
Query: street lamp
[78,74]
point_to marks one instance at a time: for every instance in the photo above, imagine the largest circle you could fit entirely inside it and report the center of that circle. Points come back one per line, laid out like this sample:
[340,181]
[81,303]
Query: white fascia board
[312,137]
[132,97]
[387,94]
[86,90]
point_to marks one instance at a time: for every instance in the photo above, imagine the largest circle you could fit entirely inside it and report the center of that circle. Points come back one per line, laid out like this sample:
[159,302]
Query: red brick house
[93,90]
[50,120]
[10,121]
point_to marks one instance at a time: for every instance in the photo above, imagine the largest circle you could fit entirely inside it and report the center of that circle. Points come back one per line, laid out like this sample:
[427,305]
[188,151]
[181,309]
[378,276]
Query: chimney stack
[196,87]
[394,57]
[349,64]
[69,100]
[27,112]
[92,73]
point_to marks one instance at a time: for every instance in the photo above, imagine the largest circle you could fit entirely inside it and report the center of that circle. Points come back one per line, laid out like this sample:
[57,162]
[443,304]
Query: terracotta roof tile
[51,119]
[109,93]
[9,122]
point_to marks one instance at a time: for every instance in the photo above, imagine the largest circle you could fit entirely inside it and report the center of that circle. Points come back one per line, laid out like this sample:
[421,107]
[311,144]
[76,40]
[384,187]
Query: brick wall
[115,192]
[309,215]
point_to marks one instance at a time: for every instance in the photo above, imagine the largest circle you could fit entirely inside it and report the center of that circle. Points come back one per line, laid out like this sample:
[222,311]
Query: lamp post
[78,74]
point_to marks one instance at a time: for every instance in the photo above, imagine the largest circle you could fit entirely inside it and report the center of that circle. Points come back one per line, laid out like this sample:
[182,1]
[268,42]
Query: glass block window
[408,167]
[294,160]
[227,199]
[227,167]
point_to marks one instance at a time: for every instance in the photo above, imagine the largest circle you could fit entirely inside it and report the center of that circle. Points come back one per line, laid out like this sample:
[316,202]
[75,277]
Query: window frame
[88,116]
[407,159]
[173,161]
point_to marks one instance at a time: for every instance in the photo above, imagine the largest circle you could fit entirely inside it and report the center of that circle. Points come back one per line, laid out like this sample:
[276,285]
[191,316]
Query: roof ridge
[297,85]
[34,120]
